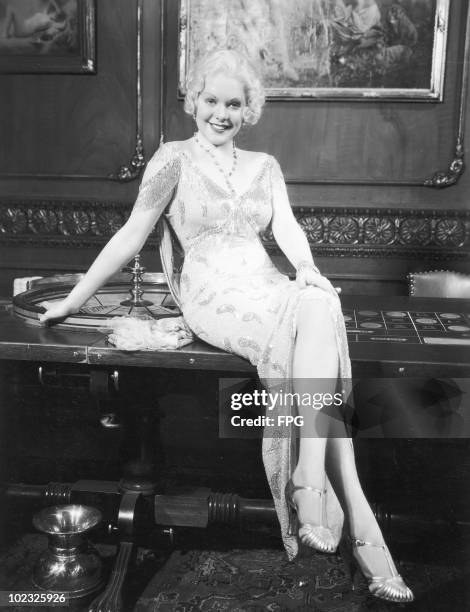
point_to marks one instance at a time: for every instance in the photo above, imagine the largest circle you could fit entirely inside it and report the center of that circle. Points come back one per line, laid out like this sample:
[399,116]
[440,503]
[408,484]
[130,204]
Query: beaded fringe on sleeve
[156,191]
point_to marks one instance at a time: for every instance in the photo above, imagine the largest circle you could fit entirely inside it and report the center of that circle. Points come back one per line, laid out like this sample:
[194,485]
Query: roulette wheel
[125,294]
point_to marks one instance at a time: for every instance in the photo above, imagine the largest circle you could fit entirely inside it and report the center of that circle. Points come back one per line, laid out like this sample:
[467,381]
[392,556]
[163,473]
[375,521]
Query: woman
[217,199]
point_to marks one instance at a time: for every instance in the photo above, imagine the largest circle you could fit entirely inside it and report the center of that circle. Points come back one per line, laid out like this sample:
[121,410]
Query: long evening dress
[230,292]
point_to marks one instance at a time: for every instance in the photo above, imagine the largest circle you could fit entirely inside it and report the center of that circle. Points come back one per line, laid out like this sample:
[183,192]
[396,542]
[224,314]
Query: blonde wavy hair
[233,64]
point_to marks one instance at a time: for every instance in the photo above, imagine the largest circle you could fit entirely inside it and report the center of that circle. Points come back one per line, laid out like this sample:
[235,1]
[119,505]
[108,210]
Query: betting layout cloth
[408,327]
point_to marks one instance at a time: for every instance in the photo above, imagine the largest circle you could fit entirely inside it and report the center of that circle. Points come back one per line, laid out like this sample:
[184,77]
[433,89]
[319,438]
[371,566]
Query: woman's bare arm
[125,243]
[286,230]
[291,239]
[158,183]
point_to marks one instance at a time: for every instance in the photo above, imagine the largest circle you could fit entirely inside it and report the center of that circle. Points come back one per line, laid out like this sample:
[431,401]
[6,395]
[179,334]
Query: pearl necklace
[217,164]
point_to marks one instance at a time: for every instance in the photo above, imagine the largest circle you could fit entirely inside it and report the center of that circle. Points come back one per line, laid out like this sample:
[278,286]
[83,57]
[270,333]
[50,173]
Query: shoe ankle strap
[357,542]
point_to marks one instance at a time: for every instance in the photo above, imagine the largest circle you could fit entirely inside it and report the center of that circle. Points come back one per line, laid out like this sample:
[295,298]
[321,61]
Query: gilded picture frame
[326,49]
[47,36]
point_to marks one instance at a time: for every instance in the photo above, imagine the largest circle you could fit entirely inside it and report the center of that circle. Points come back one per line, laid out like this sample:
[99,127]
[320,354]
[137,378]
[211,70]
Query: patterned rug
[255,580]
[251,580]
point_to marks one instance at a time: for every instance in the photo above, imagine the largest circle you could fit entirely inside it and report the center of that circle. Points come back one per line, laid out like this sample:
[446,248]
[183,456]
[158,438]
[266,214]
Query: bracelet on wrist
[307,265]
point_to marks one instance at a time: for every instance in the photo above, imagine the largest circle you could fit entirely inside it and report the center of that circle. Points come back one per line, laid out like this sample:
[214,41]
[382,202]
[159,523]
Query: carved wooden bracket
[449,177]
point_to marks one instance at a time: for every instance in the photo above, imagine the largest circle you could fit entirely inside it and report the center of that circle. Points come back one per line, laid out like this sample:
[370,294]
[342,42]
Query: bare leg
[324,441]
[341,468]
[315,370]
[360,521]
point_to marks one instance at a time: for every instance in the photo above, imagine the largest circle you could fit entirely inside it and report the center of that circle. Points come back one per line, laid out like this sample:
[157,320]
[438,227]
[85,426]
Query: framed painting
[47,36]
[356,49]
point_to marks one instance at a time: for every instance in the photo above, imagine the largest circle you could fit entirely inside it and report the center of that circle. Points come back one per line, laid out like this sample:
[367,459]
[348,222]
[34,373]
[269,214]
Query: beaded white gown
[229,291]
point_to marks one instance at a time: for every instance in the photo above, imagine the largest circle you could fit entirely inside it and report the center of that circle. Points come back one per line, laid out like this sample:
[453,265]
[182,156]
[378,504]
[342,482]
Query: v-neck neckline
[218,185]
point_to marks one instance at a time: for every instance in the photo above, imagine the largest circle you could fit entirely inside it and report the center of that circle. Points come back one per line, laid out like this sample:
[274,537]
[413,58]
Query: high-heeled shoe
[315,536]
[390,588]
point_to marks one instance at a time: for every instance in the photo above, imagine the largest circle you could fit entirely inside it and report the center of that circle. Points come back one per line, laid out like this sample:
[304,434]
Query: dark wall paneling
[78,125]
[64,128]
[347,141]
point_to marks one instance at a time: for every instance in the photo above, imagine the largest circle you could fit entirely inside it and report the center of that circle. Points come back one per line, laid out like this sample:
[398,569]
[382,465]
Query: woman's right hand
[55,311]
[309,277]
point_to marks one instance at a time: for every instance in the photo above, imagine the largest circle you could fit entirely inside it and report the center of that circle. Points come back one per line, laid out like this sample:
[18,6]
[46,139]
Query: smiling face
[219,108]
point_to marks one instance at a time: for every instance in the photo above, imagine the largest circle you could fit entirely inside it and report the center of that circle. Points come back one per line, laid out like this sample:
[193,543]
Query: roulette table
[409,326]
[395,332]
[389,336]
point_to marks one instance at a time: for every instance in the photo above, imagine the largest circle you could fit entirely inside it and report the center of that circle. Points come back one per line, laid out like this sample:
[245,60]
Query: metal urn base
[70,565]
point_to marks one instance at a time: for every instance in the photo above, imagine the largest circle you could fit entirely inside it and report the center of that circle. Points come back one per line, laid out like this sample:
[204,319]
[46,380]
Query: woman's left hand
[307,276]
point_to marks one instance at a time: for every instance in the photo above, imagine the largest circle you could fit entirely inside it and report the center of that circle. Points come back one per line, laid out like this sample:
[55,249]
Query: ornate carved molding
[447,178]
[367,232]
[335,231]
[46,223]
